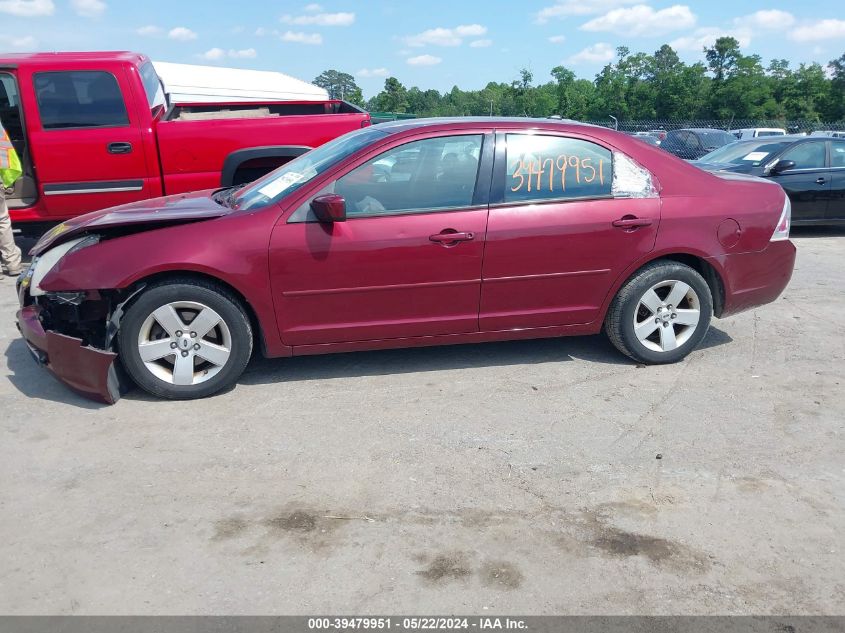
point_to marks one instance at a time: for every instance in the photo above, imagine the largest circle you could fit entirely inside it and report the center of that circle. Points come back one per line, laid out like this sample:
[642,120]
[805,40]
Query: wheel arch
[237,158]
[174,276]
[696,261]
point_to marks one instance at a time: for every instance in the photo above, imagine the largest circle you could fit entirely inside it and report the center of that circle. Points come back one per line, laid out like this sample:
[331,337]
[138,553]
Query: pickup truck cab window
[152,85]
[79,99]
[541,167]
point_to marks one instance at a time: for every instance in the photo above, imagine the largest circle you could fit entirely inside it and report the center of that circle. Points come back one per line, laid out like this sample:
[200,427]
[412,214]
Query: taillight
[782,229]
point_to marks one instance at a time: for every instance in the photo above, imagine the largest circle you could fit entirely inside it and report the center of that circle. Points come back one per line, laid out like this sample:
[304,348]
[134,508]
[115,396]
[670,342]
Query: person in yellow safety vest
[10,171]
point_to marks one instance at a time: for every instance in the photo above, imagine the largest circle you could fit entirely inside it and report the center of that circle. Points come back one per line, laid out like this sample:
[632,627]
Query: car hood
[151,213]
[720,166]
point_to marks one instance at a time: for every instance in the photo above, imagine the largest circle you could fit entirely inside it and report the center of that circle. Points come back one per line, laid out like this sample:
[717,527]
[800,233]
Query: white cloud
[597,53]
[27,8]
[819,30]
[89,8]
[20,43]
[424,60]
[481,43]
[564,8]
[182,34]
[373,72]
[320,19]
[707,36]
[312,8]
[302,38]
[216,54]
[243,53]
[441,36]
[150,30]
[643,20]
[213,54]
[557,39]
[261,32]
[772,19]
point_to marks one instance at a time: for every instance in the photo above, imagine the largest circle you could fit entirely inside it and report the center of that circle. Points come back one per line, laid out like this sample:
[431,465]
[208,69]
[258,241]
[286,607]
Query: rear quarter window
[543,167]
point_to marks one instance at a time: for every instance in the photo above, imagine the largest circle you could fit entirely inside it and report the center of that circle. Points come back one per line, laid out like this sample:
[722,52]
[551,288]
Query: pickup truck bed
[95,130]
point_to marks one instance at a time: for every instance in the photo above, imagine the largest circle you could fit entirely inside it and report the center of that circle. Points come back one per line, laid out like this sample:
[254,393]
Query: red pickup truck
[95,130]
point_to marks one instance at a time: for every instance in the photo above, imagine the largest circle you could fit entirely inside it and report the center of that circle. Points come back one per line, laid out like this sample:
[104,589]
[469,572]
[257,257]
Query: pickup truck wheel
[185,340]
[661,314]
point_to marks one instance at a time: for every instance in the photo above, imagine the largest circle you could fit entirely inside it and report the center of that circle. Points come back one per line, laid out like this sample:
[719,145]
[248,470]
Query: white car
[755,132]
[833,133]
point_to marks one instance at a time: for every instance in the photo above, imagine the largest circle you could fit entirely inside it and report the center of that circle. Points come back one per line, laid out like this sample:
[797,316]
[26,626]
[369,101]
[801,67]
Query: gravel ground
[539,477]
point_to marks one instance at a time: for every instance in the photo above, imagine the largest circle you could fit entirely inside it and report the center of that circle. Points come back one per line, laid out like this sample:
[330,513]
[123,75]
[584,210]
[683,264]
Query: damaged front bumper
[89,371]
[72,335]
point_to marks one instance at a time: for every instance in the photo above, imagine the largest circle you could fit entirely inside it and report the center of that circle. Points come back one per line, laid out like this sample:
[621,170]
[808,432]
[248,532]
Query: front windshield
[291,176]
[744,153]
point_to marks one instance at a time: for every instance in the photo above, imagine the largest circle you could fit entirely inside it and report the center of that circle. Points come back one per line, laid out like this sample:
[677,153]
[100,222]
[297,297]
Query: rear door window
[543,167]
[837,154]
[79,99]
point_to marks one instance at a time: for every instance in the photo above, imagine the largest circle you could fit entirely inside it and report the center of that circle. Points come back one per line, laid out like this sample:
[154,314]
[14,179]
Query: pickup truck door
[86,139]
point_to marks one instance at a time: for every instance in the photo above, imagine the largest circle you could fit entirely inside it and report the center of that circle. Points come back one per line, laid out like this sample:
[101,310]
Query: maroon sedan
[412,233]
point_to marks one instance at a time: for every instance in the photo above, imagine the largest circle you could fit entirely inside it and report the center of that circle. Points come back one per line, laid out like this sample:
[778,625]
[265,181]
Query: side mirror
[782,165]
[329,208]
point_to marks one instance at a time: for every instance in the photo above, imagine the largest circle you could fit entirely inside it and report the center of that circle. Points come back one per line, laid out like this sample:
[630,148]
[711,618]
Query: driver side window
[429,175]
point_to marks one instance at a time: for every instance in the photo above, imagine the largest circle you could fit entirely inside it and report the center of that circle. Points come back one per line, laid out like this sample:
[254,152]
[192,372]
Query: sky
[431,43]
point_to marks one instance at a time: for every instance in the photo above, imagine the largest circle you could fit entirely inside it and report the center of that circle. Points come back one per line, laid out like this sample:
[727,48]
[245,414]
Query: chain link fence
[791,127]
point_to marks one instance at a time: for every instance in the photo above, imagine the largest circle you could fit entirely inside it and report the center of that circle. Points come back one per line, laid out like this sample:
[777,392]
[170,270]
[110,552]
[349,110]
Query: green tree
[394,97]
[339,86]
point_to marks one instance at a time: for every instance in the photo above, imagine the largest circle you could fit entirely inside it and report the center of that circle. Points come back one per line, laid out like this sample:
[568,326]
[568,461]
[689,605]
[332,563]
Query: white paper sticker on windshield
[756,156]
[278,185]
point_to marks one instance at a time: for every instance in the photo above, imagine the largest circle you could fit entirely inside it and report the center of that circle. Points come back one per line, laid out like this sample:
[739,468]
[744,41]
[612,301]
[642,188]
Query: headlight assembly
[47,261]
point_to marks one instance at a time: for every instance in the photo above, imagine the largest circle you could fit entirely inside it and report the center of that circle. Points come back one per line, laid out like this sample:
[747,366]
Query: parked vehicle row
[94,130]
[406,234]
[811,169]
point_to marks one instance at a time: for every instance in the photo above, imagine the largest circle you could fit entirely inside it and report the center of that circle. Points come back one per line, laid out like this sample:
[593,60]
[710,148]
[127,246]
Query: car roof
[57,58]
[403,125]
[700,129]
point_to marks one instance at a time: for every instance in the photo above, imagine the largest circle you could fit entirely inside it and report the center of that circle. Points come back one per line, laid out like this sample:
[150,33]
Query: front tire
[184,340]
[661,314]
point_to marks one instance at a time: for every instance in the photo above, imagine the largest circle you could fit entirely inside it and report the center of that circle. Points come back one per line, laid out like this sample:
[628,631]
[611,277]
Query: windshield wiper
[226,197]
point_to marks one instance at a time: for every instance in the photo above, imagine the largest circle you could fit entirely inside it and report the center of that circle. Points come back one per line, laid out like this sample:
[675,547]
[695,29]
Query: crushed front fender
[90,372]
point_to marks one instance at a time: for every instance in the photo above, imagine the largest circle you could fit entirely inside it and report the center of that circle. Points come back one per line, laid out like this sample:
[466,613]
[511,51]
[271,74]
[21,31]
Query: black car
[811,169]
[693,143]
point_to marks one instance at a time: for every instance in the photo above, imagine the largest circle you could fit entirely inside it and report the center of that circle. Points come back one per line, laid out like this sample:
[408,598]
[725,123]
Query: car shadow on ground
[34,381]
[596,349]
[817,231]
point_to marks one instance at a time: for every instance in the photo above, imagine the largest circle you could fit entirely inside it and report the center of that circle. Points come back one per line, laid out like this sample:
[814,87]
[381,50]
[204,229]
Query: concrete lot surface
[540,477]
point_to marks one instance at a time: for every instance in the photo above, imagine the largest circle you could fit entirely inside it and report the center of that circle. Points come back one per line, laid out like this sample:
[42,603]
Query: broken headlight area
[72,333]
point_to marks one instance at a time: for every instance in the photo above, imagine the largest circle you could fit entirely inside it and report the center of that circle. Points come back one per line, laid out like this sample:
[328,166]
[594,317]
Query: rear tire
[661,313]
[185,339]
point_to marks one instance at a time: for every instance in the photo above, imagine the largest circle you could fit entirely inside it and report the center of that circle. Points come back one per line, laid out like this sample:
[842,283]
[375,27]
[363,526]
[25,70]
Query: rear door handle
[449,236]
[820,181]
[119,148]
[631,222]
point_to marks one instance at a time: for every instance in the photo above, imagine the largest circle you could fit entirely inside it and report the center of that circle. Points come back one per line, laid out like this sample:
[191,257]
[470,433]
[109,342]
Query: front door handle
[119,148]
[820,181]
[448,237]
[631,222]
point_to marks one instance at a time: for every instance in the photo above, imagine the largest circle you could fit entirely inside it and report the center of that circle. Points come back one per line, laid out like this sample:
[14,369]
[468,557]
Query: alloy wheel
[184,343]
[667,315]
